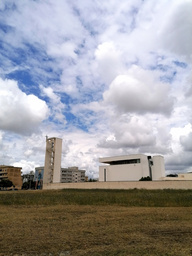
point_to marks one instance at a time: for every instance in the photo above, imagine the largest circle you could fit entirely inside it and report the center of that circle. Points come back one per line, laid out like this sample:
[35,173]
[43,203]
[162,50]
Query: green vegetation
[128,198]
[92,180]
[145,179]
[29,184]
[6,183]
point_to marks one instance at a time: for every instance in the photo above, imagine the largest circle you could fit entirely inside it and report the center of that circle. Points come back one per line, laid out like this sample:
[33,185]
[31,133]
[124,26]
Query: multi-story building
[52,160]
[131,168]
[72,174]
[11,173]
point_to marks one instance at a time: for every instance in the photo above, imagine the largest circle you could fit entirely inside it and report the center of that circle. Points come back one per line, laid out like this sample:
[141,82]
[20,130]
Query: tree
[29,184]
[6,184]
[172,175]
[92,180]
[145,179]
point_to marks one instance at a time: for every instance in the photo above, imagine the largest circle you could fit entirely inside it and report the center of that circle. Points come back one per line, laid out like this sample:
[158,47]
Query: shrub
[145,179]
[6,184]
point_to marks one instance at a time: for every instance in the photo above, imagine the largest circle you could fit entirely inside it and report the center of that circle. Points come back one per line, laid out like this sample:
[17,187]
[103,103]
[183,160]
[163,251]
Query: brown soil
[95,230]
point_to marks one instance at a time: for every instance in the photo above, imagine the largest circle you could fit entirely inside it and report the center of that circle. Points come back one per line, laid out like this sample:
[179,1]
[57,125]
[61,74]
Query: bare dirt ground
[95,230]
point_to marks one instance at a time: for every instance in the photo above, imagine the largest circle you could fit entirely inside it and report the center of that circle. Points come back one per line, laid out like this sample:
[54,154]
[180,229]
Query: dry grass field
[78,222]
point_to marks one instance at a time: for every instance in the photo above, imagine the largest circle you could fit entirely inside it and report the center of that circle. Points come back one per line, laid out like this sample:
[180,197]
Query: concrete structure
[131,168]
[72,174]
[52,160]
[185,176]
[11,173]
[181,176]
[184,184]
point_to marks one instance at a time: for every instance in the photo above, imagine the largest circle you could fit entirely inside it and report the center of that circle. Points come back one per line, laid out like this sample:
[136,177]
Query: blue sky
[108,78]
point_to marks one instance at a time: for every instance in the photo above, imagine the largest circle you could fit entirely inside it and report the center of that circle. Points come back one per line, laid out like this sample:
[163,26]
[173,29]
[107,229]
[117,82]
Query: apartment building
[11,173]
[72,174]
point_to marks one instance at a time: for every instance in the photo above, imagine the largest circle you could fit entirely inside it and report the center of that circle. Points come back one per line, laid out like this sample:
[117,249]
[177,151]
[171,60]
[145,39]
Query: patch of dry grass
[94,229]
[133,197]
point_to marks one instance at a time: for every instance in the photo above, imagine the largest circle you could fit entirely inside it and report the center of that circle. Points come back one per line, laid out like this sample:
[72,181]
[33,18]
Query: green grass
[128,198]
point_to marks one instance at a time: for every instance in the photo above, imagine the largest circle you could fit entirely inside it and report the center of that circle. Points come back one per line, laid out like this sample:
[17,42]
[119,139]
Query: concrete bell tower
[52,167]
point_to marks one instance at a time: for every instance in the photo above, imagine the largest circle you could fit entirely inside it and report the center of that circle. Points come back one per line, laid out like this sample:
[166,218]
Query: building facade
[72,174]
[67,175]
[52,160]
[131,168]
[11,173]
[38,178]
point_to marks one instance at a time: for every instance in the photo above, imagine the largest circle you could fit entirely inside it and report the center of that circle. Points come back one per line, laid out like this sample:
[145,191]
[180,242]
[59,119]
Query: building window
[105,175]
[130,161]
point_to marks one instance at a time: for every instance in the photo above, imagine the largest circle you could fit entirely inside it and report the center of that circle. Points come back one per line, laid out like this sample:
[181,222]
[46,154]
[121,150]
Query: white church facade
[131,168]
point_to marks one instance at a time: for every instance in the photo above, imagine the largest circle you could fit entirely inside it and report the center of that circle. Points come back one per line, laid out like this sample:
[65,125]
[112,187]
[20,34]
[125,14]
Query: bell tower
[52,167]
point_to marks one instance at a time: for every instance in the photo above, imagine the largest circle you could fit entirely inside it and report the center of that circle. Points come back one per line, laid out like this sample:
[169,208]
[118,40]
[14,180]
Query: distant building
[38,178]
[52,160]
[67,175]
[28,177]
[180,176]
[185,176]
[11,173]
[72,174]
[131,168]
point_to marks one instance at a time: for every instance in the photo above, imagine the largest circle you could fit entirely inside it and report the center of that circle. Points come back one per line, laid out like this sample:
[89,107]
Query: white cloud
[20,113]
[133,133]
[175,33]
[109,62]
[186,142]
[64,50]
[139,91]
[27,166]
[179,163]
[55,103]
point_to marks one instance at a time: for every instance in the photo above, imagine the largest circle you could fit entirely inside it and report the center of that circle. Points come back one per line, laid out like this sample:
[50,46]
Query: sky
[108,77]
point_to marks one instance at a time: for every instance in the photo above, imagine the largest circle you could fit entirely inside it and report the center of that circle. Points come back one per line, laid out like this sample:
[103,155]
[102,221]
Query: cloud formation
[186,142]
[139,92]
[20,113]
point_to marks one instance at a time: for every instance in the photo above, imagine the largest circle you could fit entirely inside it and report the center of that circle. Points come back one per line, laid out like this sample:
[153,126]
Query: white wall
[185,176]
[125,172]
[57,160]
[47,170]
[52,160]
[122,185]
[158,167]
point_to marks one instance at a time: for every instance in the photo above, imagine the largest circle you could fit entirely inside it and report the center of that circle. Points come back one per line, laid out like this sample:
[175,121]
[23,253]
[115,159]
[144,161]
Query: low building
[11,173]
[72,174]
[185,176]
[131,168]
[180,176]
